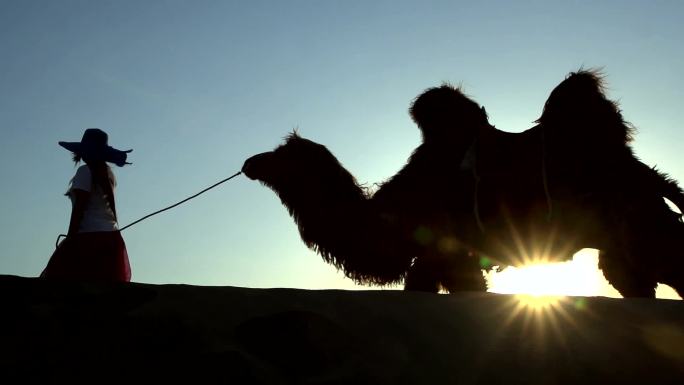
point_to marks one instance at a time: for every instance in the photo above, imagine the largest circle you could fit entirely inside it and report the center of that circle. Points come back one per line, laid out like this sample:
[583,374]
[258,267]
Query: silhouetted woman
[93,249]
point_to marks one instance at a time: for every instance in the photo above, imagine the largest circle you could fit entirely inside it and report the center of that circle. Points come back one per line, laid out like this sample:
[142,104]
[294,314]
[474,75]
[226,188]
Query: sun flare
[539,282]
[538,302]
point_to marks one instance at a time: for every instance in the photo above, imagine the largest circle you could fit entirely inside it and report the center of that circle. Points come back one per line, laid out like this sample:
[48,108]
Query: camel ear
[294,135]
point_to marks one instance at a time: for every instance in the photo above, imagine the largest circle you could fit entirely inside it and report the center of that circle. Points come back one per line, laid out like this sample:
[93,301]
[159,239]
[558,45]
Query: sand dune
[91,333]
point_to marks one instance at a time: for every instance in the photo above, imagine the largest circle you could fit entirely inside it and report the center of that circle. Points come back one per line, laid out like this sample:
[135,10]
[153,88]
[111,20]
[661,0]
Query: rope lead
[166,208]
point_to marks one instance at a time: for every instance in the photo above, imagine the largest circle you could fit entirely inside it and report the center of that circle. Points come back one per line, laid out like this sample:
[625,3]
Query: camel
[472,196]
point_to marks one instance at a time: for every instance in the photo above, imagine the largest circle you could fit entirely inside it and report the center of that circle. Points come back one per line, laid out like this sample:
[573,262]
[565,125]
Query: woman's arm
[80,200]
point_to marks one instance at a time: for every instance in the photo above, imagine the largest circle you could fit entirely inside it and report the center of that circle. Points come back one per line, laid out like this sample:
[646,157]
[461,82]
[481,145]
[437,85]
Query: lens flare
[579,277]
[537,303]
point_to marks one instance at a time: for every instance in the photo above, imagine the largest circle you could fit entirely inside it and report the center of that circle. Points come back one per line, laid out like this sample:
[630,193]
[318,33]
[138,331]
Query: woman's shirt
[98,216]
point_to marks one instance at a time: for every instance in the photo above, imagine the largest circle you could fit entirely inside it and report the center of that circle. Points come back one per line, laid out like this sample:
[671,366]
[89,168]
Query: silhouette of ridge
[75,333]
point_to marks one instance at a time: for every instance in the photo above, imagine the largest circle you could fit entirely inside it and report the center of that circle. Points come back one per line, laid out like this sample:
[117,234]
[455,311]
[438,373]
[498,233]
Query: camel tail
[670,189]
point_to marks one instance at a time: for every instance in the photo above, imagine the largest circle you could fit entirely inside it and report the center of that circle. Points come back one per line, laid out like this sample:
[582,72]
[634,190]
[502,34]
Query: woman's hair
[103,177]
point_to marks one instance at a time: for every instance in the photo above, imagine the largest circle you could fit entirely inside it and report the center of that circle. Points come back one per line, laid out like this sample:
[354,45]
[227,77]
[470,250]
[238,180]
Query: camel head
[303,167]
[286,164]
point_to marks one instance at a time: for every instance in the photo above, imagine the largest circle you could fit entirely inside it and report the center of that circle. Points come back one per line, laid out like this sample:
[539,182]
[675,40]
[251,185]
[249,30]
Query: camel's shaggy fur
[471,194]
[426,193]
[332,211]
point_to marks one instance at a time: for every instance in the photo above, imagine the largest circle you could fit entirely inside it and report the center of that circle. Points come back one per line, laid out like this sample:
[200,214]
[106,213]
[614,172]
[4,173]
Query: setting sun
[543,282]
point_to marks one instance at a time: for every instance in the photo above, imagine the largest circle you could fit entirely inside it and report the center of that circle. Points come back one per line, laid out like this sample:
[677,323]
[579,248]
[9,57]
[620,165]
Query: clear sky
[196,87]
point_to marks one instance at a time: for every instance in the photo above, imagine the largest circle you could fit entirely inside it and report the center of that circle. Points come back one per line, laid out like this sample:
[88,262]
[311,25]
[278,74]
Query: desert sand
[141,333]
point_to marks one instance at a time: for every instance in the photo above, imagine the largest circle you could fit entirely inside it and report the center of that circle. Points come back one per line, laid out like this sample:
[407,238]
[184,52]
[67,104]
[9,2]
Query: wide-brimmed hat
[93,146]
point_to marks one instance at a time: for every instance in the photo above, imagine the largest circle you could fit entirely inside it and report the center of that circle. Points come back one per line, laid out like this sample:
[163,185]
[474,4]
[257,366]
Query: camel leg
[670,264]
[677,285]
[454,273]
[628,280]
[462,273]
[674,278]
[422,276]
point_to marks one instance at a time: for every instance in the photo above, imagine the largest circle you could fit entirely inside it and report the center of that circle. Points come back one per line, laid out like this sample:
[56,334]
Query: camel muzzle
[253,167]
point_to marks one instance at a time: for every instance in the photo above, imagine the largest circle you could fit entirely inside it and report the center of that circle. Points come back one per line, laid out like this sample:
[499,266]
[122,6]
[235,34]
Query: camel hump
[579,111]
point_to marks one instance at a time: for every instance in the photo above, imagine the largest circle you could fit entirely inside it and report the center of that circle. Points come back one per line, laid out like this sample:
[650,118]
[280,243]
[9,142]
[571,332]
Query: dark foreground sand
[160,334]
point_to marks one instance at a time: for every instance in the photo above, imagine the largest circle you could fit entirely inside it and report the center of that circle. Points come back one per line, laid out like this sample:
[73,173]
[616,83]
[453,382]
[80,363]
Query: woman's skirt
[94,256]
